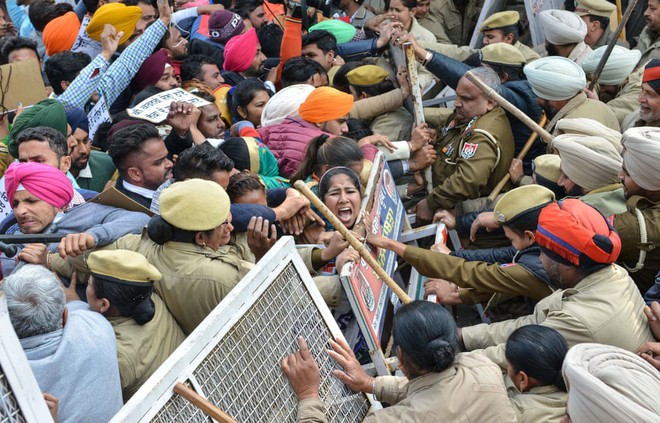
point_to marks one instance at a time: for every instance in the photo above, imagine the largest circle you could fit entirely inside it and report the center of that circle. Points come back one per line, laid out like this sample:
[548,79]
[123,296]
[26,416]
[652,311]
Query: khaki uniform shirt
[608,200]
[471,390]
[470,163]
[371,107]
[580,52]
[634,120]
[626,100]
[141,349]
[606,38]
[627,225]
[396,125]
[529,53]
[545,404]
[605,307]
[582,107]
[479,275]
[649,45]
[195,279]
[444,21]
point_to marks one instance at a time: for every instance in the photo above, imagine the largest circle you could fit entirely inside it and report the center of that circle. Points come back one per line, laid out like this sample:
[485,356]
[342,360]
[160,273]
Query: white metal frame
[179,367]
[18,374]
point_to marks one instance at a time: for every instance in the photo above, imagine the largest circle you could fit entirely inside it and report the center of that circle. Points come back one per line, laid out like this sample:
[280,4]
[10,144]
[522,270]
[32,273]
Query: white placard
[155,108]
[97,116]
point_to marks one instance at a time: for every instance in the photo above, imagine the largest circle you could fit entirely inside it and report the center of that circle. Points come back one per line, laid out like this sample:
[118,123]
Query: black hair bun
[159,231]
[439,355]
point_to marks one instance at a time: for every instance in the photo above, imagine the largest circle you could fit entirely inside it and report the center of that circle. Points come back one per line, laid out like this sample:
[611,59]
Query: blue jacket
[518,93]
[106,224]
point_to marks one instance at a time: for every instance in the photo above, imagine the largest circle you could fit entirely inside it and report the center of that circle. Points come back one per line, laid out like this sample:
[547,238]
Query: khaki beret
[601,8]
[366,75]
[500,20]
[194,205]
[122,266]
[548,166]
[522,200]
[502,54]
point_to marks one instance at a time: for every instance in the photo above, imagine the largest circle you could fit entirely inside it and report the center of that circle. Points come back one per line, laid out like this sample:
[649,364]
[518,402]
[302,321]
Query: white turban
[618,67]
[641,154]
[555,78]
[608,384]
[590,162]
[285,102]
[562,27]
[585,126]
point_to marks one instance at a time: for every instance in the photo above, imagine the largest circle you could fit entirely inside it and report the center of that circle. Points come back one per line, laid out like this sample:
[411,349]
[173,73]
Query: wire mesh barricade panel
[9,410]
[180,410]
[242,373]
[233,357]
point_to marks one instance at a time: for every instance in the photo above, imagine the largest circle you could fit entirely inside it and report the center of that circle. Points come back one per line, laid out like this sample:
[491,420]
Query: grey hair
[489,77]
[35,300]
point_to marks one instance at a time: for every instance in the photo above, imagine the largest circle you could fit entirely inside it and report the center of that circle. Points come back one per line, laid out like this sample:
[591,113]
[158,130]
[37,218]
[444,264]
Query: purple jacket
[288,142]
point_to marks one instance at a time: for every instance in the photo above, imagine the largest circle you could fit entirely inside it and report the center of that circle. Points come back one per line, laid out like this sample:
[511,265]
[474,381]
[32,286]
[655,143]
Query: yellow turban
[60,33]
[122,17]
[325,104]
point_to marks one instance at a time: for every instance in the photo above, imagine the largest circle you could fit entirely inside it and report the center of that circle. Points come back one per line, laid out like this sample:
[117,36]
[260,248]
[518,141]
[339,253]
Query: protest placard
[155,108]
[367,294]
[21,82]
[97,116]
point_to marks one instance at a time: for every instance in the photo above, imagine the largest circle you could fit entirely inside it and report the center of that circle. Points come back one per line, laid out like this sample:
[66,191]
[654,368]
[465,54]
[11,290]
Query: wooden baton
[610,46]
[521,155]
[489,92]
[357,245]
[418,105]
[203,404]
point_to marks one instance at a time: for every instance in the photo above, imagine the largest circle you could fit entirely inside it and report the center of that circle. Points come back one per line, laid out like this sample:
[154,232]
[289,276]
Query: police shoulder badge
[469,150]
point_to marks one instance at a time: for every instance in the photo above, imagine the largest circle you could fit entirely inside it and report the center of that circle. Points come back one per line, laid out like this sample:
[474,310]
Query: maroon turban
[151,71]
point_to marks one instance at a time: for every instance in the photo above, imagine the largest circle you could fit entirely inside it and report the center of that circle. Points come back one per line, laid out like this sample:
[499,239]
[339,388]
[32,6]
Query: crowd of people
[566,258]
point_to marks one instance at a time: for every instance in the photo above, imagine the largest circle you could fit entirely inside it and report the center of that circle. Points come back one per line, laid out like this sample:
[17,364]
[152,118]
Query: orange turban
[570,230]
[324,104]
[122,17]
[60,33]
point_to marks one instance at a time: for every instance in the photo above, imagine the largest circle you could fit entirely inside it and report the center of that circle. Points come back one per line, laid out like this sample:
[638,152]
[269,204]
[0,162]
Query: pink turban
[240,51]
[45,182]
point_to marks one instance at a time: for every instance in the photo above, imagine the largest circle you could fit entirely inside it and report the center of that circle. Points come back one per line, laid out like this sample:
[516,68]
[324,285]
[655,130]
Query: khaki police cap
[502,54]
[194,205]
[366,75]
[522,200]
[600,8]
[500,20]
[548,166]
[122,266]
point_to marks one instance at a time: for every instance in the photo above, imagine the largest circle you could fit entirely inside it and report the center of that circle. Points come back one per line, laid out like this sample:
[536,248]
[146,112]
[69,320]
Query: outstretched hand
[302,371]
[353,374]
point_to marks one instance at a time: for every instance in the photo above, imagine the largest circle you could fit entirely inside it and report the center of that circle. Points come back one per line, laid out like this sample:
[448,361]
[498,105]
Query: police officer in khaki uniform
[502,27]
[369,81]
[121,288]
[189,244]
[597,301]
[475,148]
[559,84]
[590,170]
[513,270]
[639,225]
[596,14]
[505,27]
